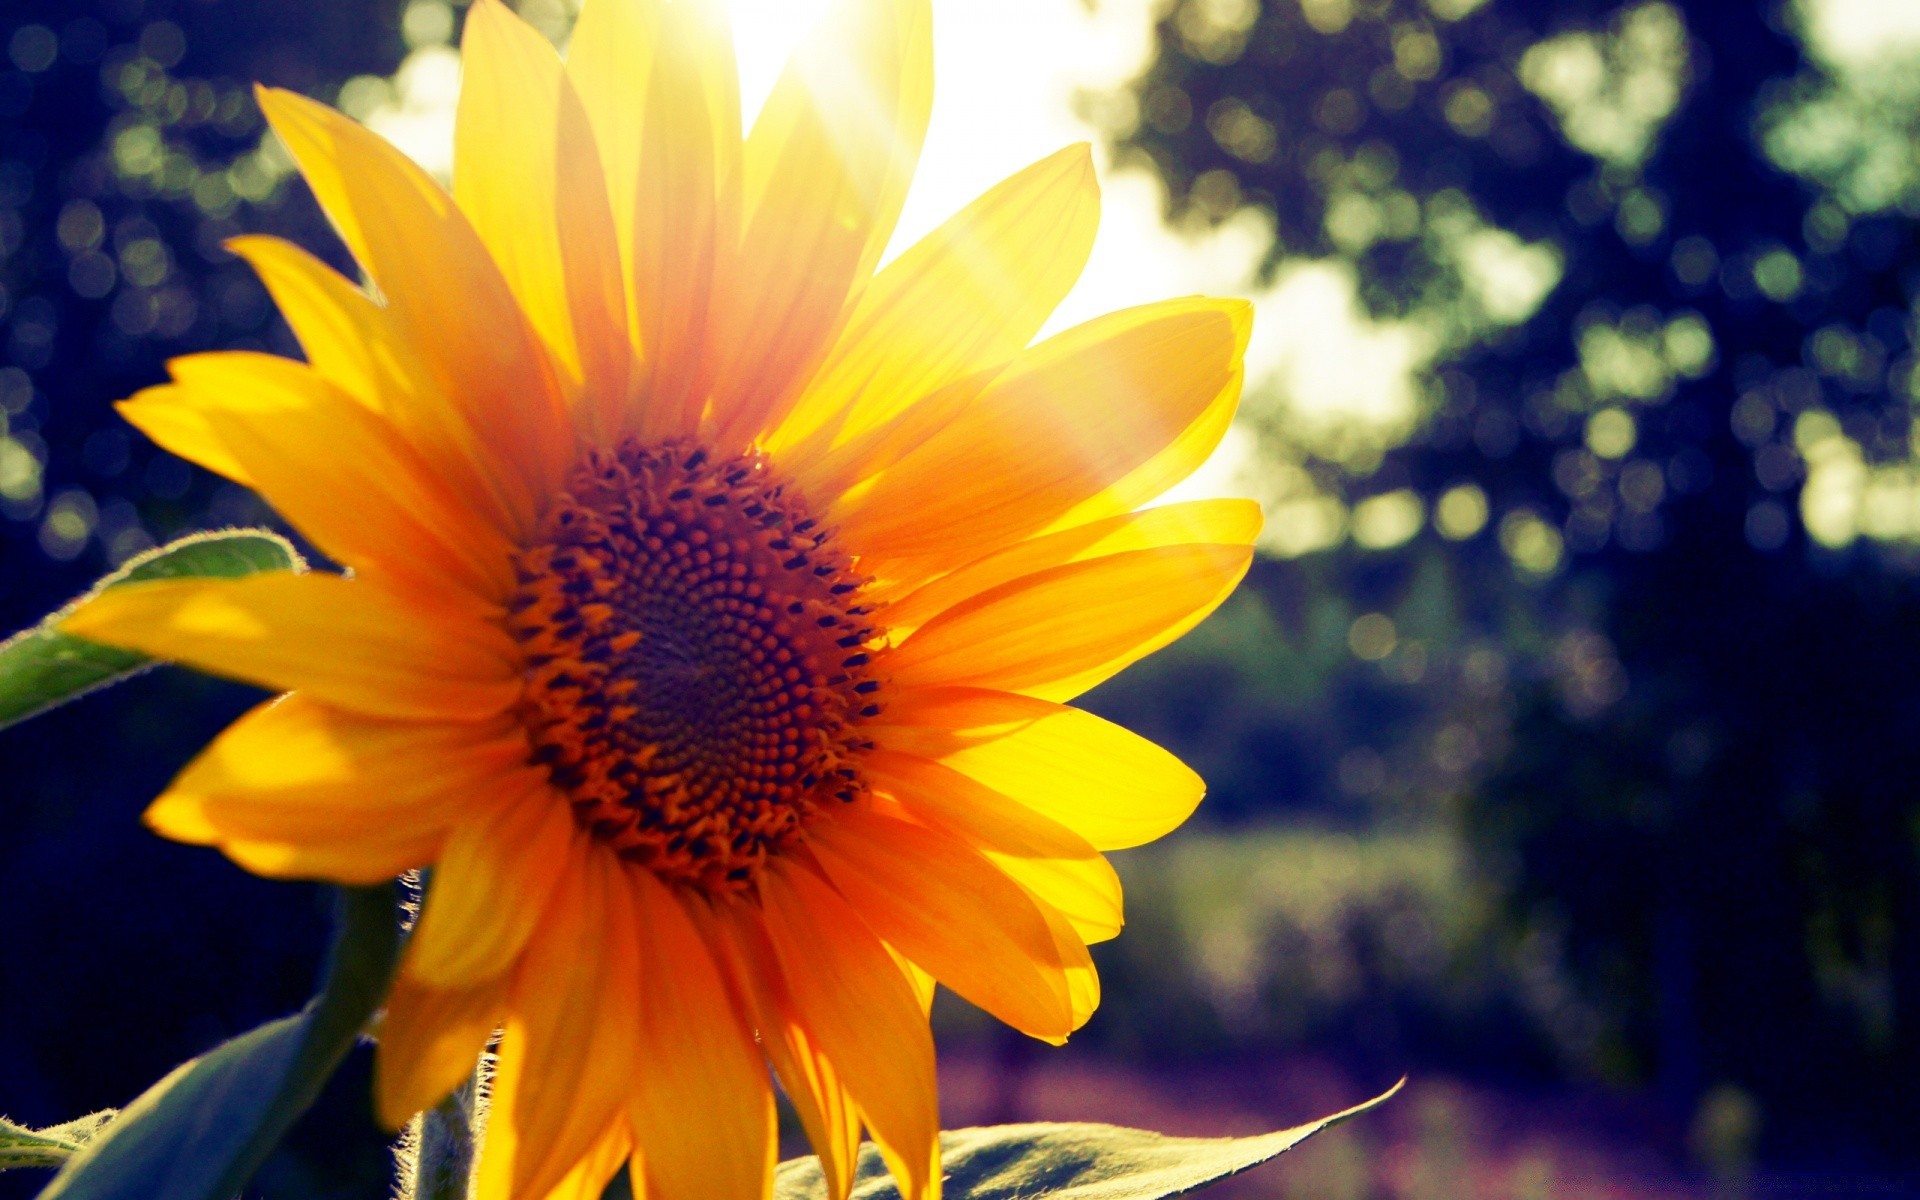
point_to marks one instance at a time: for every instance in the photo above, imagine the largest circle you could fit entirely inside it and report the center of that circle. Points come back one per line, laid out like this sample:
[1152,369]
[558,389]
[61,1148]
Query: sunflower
[713,598]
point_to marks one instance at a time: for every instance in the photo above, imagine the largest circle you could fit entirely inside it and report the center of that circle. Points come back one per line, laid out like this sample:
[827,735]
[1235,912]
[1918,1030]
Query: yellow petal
[337,470]
[1082,980]
[703,1104]
[686,215]
[422,253]
[609,61]
[970,294]
[1111,786]
[1051,861]
[826,169]
[1151,479]
[1085,892]
[567,1050]
[527,174]
[820,1100]
[1070,417]
[1200,522]
[492,882]
[591,1173]
[1058,632]
[347,337]
[430,1041]
[346,642]
[297,788]
[360,347]
[943,905]
[825,475]
[858,1009]
[175,424]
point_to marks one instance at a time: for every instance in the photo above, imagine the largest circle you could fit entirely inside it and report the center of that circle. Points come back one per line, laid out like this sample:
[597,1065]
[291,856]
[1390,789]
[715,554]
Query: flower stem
[443,1163]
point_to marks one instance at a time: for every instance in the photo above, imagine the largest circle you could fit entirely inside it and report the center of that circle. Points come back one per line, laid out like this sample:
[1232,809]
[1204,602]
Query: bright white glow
[1861,33]
[764,33]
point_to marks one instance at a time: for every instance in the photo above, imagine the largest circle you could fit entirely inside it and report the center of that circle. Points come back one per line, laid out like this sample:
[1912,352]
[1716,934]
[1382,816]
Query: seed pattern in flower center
[697,661]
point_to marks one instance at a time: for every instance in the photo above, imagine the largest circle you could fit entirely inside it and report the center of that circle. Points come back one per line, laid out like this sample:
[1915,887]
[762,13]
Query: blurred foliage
[130,147]
[1639,621]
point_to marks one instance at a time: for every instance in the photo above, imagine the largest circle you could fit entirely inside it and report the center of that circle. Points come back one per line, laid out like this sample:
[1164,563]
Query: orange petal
[969,295]
[420,251]
[703,1107]
[363,349]
[296,788]
[338,471]
[1069,418]
[858,1009]
[610,62]
[346,642]
[812,1084]
[1108,784]
[1201,522]
[490,885]
[596,1168]
[430,1042]
[1058,632]
[826,169]
[943,905]
[686,215]
[527,174]
[567,1051]
[1055,864]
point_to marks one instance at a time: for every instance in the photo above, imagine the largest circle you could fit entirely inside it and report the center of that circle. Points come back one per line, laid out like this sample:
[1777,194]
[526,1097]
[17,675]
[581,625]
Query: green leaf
[1067,1162]
[42,667]
[200,1133]
[23,1147]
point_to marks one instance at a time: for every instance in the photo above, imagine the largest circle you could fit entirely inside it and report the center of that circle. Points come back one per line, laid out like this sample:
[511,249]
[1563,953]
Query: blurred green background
[1564,743]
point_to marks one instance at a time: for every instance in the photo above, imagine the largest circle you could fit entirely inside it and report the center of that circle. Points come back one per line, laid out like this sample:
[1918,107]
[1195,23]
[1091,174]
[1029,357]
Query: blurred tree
[1665,261]
[130,147]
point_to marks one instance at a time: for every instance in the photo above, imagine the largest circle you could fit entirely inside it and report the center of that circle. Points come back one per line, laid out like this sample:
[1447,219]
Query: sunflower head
[698,660]
[715,597]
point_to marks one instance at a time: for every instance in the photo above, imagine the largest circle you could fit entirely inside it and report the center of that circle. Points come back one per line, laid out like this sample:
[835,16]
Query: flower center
[696,661]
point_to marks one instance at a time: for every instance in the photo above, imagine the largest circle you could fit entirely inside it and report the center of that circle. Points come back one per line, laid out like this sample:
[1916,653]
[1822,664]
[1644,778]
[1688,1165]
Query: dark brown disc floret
[697,660]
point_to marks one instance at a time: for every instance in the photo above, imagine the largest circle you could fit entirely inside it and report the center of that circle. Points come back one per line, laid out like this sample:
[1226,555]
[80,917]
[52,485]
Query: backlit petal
[430,1042]
[702,1106]
[169,416]
[346,642]
[1109,785]
[858,1009]
[1200,522]
[347,336]
[1058,632]
[811,1082]
[943,905]
[1054,863]
[567,1051]
[298,788]
[826,169]
[490,885]
[686,216]
[309,449]
[527,174]
[970,294]
[420,252]
[1069,418]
